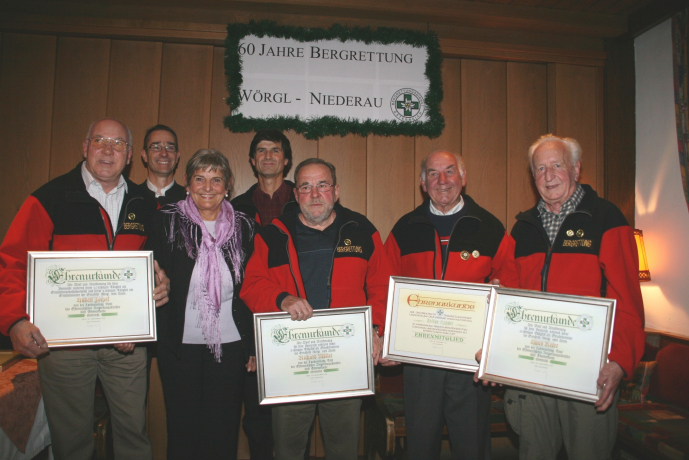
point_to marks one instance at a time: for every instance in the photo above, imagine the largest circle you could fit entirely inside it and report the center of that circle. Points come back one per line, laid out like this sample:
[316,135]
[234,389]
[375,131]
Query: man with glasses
[91,208]
[317,256]
[448,237]
[161,156]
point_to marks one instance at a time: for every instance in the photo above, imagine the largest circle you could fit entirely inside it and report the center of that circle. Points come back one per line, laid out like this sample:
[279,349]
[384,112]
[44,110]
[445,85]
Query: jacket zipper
[447,258]
[111,243]
[289,261]
[332,265]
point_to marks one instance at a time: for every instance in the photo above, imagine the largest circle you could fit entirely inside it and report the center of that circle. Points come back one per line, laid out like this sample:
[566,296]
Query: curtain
[680,64]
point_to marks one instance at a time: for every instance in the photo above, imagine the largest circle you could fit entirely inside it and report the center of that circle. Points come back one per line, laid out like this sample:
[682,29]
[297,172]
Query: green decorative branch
[324,126]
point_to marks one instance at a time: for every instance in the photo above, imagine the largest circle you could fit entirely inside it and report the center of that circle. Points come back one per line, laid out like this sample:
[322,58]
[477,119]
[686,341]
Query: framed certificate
[325,357]
[552,343]
[91,297]
[435,323]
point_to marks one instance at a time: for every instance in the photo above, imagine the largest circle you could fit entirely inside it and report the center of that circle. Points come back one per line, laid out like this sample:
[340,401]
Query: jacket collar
[420,216]
[587,206]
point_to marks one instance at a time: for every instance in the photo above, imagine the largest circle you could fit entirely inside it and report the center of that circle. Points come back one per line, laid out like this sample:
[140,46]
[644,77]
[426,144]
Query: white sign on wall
[332,85]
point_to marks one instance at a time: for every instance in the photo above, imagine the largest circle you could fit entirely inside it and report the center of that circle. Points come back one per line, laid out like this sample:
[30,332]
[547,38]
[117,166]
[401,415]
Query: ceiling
[616,7]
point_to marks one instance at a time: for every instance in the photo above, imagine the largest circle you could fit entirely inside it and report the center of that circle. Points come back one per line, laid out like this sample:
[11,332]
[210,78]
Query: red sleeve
[392,251]
[503,265]
[31,230]
[620,264]
[259,289]
[377,281]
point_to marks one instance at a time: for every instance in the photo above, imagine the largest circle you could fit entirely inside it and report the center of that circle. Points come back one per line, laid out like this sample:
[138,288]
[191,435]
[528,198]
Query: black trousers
[203,400]
[257,423]
[436,396]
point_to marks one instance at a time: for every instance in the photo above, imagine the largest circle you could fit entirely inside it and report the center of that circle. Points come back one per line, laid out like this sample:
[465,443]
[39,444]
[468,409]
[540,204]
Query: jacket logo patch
[580,233]
[131,216]
[570,233]
[133,226]
[349,248]
[475,254]
[464,255]
[577,243]
[347,242]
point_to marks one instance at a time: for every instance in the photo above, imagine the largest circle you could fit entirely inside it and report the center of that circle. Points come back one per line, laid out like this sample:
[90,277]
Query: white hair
[130,138]
[460,164]
[571,145]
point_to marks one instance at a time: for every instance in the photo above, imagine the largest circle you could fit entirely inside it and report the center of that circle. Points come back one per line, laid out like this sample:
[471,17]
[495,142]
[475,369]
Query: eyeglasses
[101,142]
[159,147]
[322,188]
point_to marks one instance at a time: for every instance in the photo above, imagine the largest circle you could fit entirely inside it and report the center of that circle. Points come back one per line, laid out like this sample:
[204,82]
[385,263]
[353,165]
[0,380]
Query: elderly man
[161,156]
[574,242]
[304,261]
[83,210]
[270,155]
[449,237]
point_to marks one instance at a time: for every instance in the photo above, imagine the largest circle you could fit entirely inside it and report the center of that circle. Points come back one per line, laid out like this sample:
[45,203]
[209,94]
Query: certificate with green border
[435,323]
[551,343]
[91,297]
[327,356]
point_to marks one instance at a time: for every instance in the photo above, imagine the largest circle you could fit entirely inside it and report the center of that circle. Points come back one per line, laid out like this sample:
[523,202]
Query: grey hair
[209,158]
[130,138]
[571,145]
[315,161]
[460,164]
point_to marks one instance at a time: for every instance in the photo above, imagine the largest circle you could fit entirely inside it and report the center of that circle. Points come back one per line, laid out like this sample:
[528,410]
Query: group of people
[284,246]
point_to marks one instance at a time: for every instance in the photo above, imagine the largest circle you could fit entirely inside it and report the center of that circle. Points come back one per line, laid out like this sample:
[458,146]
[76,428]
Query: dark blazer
[178,266]
[172,195]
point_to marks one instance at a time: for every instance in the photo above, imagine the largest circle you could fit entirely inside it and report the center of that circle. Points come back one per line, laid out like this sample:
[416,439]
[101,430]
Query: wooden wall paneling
[390,180]
[302,149]
[576,113]
[234,145]
[451,108]
[600,131]
[26,102]
[348,154]
[620,125]
[81,90]
[484,133]
[185,97]
[527,119]
[133,93]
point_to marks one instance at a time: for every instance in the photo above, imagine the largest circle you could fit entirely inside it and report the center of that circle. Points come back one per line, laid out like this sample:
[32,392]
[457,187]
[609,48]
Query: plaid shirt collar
[552,222]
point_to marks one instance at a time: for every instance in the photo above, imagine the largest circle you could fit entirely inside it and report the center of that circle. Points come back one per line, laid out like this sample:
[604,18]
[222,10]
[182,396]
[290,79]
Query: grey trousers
[68,381]
[433,397]
[339,424]
[544,422]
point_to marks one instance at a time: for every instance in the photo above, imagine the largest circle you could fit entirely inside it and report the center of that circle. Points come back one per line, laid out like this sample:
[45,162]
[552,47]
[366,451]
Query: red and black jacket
[62,216]
[414,250]
[245,202]
[594,254]
[359,275]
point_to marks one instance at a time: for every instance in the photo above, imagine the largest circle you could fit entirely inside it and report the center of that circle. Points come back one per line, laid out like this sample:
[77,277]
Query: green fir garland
[324,126]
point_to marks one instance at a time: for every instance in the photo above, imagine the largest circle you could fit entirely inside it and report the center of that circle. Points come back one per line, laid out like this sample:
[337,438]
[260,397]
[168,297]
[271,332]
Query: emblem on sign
[407,104]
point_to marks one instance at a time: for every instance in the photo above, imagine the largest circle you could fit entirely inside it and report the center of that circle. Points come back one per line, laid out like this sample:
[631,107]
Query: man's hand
[251,364]
[124,347]
[496,282]
[378,342]
[609,379]
[162,289]
[298,308]
[477,357]
[27,339]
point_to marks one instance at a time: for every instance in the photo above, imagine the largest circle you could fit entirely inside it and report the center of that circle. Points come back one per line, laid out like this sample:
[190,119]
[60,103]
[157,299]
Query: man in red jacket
[83,210]
[318,255]
[448,237]
[573,242]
